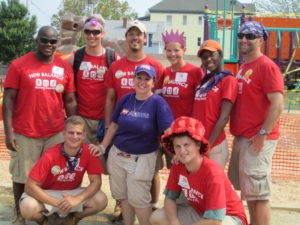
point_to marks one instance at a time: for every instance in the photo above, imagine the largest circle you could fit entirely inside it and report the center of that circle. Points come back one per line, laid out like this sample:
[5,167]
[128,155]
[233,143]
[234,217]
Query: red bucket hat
[186,124]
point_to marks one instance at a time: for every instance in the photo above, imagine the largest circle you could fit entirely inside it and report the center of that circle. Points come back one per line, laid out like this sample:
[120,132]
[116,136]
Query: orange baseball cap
[209,45]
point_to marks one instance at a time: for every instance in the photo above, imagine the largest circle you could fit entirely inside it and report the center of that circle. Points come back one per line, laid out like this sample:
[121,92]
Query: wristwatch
[263,132]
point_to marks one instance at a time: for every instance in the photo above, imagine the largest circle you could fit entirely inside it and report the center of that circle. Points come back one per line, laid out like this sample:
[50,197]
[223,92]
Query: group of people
[142,111]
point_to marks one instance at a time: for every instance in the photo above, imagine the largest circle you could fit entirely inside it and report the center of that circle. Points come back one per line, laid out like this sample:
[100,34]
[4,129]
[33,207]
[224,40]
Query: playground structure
[282,45]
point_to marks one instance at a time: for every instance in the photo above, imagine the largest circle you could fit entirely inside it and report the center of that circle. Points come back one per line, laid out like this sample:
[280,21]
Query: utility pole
[91,6]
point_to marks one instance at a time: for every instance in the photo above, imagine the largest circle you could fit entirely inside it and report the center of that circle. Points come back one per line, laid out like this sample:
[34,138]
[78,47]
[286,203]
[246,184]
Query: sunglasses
[247,36]
[94,32]
[47,40]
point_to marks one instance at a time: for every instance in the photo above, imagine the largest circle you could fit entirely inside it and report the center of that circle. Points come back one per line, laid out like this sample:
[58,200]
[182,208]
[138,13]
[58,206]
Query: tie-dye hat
[253,27]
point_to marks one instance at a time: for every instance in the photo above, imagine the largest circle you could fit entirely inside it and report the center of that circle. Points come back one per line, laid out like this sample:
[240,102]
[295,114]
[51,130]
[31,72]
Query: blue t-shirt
[140,123]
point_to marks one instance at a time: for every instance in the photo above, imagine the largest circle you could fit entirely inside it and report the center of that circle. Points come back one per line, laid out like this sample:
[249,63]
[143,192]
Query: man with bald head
[38,95]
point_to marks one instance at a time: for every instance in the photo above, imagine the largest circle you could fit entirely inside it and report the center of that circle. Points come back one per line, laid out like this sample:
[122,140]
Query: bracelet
[103,148]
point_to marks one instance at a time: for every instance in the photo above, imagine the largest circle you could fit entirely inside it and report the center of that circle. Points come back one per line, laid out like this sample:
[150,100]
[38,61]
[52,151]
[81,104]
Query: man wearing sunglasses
[39,93]
[90,65]
[254,122]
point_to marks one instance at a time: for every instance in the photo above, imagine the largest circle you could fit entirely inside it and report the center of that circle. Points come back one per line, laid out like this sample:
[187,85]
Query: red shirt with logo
[91,90]
[207,189]
[207,107]
[39,107]
[51,170]
[179,88]
[121,74]
[255,80]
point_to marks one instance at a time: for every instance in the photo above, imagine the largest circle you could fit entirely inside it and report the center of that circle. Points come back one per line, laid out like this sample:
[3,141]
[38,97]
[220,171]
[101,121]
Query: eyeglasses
[94,32]
[47,40]
[247,36]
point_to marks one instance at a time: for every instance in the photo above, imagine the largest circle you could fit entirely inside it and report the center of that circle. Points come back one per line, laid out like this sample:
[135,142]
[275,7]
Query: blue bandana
[252,27]
[72,161]
[207,84]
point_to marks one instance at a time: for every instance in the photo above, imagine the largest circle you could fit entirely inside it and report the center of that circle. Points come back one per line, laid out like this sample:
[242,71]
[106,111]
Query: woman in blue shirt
[137,123]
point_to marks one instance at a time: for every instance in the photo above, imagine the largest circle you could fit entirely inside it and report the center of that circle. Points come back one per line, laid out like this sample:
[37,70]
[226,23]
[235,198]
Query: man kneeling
[53,192]
[210,195]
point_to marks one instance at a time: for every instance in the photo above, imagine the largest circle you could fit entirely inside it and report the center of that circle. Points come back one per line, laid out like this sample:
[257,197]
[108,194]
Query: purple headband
[252,27]
[93,22]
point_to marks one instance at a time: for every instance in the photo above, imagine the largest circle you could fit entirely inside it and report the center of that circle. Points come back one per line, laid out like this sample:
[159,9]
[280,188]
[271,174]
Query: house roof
[115,29]
[197,6]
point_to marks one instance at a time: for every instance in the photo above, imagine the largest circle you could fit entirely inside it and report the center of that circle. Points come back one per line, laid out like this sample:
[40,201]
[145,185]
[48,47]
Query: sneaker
[18,220]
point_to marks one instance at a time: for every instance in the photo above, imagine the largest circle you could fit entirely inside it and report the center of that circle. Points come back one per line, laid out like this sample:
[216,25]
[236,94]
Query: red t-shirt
[39,106]
[255,80]
[121,73]
[179,88]
[91,91]
[207,107]
[52,173]
[207,189]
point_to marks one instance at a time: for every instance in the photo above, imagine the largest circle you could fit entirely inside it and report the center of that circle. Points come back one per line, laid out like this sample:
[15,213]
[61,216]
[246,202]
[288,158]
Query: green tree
[109,9]
[17,30]
[278,6]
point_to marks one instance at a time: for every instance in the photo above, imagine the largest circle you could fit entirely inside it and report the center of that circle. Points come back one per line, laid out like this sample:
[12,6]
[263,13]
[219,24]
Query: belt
[124,154]
[127,155]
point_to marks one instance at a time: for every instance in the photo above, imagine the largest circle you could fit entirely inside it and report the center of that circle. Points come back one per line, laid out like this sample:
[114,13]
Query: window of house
[184,20]
[200,20]
[199,41]
[169,20]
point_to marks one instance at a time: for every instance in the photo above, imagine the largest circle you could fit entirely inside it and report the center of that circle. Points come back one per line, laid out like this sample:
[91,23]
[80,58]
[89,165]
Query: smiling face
[73,136]
[93,35]
[174,53]
[46,42]
[186,149]
[143,84]
[248,46]
[135,39]
[212,61]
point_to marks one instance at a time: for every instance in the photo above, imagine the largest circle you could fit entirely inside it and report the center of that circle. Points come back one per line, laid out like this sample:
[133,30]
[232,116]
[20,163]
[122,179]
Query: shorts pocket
[257,184]
[145,167]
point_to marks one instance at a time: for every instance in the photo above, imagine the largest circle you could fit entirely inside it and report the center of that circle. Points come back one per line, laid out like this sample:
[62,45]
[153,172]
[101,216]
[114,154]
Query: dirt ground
[285,200]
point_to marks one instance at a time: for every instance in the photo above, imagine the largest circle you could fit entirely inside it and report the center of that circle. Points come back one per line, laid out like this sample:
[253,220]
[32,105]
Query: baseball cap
[149,70]
[184,124]
[209,45]
[253,27]
[138,25]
